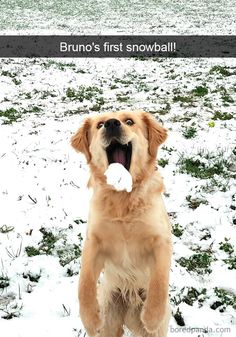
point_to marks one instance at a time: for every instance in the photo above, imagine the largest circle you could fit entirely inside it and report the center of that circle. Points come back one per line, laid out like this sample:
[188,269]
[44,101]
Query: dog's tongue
[119,156]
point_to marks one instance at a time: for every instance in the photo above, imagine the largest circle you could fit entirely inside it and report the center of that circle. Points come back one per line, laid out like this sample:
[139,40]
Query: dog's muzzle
[112,129]
[117,151]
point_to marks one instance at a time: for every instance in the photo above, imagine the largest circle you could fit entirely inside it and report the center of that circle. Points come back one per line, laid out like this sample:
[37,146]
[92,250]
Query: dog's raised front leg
[92,264]
[155,306]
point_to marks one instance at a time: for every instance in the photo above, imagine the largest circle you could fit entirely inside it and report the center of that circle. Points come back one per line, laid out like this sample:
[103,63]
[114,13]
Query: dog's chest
[128,256]
[127,270]
[128,252]
[126,243]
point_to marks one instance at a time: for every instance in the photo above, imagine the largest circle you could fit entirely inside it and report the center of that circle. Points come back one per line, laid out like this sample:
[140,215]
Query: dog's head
[128,138]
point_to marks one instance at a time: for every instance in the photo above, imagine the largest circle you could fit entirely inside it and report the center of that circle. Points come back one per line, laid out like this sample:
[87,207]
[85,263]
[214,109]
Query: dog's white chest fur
[125,275]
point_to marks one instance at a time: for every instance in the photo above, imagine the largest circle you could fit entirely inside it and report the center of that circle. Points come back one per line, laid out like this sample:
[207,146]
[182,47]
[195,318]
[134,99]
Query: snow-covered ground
[44,198]
[119,16]
[43,194]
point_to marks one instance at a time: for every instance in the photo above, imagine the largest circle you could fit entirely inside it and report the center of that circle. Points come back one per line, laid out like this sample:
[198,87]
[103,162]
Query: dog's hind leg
[113,314]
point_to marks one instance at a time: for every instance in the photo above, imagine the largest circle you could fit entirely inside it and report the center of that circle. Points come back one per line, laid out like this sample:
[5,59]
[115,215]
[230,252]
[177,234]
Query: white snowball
[119,177]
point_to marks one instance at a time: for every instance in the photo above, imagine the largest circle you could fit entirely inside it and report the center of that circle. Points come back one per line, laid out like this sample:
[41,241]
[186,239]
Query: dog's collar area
[119,153]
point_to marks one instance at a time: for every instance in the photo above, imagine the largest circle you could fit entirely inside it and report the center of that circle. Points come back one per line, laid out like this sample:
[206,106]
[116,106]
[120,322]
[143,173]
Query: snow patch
[119,177]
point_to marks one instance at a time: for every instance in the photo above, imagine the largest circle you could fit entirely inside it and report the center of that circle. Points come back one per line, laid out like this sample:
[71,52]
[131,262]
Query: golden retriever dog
[127,253]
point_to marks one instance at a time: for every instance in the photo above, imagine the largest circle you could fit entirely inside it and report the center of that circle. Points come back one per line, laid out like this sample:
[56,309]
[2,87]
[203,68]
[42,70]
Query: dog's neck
[122,204]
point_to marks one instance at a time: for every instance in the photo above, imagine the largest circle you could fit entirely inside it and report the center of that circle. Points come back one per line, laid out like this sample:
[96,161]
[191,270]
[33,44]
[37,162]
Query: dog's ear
[156,134]
[80,141]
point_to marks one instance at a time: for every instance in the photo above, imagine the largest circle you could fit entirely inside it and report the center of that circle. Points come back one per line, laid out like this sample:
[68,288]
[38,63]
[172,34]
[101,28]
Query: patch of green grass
[28,95]
[95,107]
[208,103]
[206,234]
[220,70]
[231,262]
[73,112]
[216,305]
[4,282]
[11,310]
[122,98]
[63,66]
[199,169]
[142,86]
[183,99]
[200,91]
[83,93]
[164,110]
[49,245]
[126,82]
[226,297]
[226,246]
[177,230]
[173,76]
[189,132]
[99,103]
[32,277]
[34,108]
[32,251]
[195,202]
[46,246]
[226,98]
[185,117]
[70,272]
[48,242]
[8,74]
[179,318]
[223,116]
[46,93]
[163,162]
[60,65]
[214,184]
[168,149]
[219,88]
[176,91]
[11,115]
[190,295]
[70,253]
[113,86]
[199,263]
[194,295]
[16,82]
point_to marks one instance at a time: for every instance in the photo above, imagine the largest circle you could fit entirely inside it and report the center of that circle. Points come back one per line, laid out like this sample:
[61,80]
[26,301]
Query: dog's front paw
[92,320]
[152,317]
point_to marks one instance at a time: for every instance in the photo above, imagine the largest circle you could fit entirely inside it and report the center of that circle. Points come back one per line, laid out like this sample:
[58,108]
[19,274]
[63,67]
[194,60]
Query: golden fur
[128,237]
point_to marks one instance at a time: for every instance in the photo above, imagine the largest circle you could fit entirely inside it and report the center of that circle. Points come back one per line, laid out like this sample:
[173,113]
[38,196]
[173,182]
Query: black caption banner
[117,46]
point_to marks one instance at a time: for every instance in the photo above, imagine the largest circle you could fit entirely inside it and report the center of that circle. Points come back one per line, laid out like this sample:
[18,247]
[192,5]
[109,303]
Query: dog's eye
[99,125]
[129,122]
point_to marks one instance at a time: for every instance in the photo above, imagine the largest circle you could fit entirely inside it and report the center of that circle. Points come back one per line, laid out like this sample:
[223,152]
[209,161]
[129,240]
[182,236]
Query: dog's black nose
[113,128]
[112,123]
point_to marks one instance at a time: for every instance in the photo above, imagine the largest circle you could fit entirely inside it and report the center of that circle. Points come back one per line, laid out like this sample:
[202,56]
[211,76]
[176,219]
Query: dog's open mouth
[119,153]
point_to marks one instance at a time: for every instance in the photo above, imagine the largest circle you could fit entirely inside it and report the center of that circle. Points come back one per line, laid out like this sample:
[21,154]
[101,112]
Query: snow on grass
[44,199]
[120,16]
[43,194]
